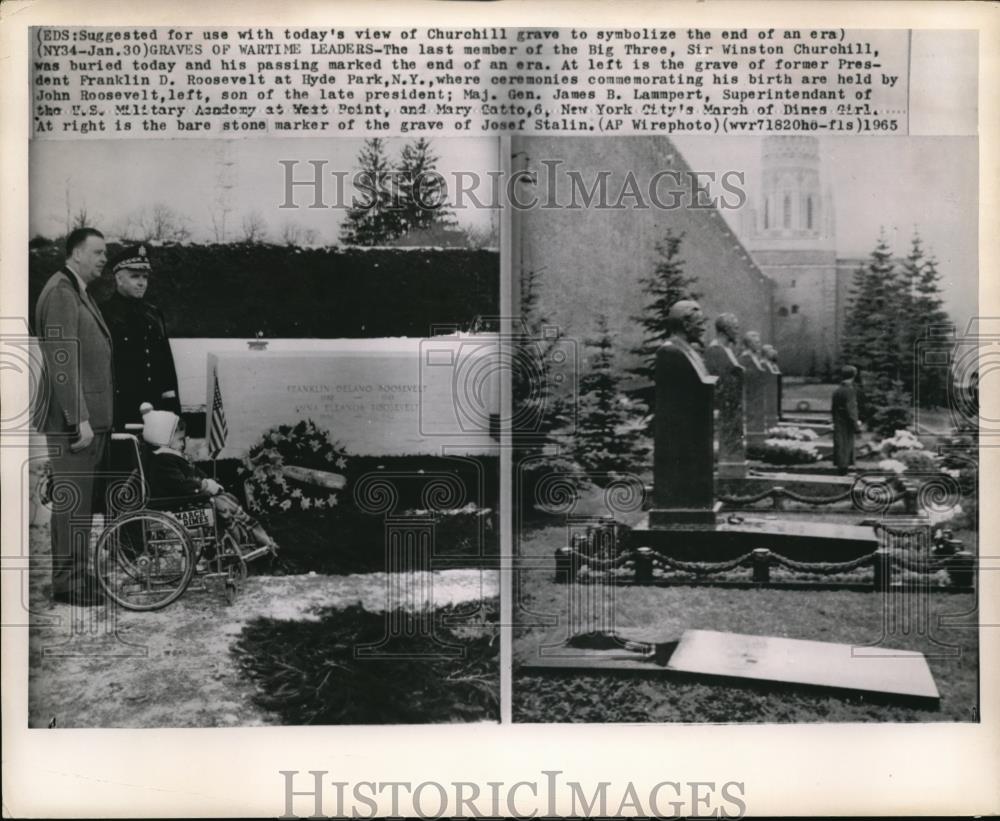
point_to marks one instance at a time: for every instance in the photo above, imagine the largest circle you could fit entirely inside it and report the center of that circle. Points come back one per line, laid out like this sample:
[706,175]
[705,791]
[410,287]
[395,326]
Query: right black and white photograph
[746,428]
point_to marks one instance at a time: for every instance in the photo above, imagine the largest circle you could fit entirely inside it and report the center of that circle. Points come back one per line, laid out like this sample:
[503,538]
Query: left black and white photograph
[265,432]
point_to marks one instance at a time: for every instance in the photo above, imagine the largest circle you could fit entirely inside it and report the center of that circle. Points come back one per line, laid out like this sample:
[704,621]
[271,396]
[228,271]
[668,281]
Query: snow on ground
[299,597]
[109,667]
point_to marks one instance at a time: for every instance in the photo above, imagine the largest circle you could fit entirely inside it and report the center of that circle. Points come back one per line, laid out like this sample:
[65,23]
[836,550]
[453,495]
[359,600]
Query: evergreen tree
[875,329]
[423,192]
[911,325]
[539,413]
[929,380]
[891,410]
[665,286]
[375,218]
[912,266]
[607,438]
[927,300]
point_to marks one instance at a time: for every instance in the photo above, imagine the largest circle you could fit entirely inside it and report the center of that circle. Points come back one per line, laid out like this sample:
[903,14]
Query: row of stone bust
[746,394]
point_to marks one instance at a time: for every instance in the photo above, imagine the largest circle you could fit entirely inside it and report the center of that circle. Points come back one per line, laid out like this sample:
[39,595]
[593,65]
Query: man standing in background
[77,413]
[143,364]
[844,406]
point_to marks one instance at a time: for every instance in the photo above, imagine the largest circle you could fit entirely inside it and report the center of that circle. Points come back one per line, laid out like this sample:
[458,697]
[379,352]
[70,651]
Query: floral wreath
[304,446]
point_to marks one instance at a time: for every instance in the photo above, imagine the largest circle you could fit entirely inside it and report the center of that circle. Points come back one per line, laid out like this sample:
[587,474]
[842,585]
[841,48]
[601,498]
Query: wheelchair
[150,549]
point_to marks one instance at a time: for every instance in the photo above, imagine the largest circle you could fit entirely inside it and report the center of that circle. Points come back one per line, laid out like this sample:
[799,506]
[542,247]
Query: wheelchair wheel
[145,560]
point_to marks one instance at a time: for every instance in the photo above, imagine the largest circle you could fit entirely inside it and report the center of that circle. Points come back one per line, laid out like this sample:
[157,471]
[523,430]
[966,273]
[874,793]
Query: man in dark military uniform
[143,363]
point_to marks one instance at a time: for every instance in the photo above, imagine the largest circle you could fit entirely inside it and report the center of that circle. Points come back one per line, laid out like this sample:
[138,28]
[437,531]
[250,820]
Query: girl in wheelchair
[172,475]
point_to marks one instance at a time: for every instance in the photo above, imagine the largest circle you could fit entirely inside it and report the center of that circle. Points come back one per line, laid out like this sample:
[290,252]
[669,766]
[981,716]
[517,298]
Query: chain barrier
[819,500]
[823,568]
[917,529]
[925,566]
[597,561]
[779,492]
[701,568]
[746,500]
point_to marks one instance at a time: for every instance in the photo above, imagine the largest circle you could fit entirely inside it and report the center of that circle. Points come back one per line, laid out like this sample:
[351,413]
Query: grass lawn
[663,613]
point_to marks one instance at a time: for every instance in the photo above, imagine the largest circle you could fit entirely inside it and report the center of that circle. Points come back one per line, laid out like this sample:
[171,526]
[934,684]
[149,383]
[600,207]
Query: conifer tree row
[608,439]
[894,313]
[395,198]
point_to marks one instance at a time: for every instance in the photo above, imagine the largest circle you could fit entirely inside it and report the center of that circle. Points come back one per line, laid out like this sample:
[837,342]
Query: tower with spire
[790,233]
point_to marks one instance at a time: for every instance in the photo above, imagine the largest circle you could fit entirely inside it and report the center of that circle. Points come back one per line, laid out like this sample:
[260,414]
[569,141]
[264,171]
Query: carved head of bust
[685,320]
[727,329]
[770,353]
[751,342]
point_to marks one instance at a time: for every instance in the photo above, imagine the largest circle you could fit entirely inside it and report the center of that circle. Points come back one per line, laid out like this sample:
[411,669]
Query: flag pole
[217,429]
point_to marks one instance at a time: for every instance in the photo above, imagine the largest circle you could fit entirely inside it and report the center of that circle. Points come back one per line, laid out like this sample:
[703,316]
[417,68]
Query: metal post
[761,558]
[564,565]
[643,565]
[883,570]
[961,569]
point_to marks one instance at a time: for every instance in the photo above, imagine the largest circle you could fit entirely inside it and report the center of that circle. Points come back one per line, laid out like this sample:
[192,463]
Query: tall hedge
[236,290]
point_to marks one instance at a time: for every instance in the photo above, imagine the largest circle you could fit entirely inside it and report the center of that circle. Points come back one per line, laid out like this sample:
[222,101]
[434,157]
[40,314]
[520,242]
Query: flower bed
[301,483]
[900,440]
[350,541]
[792,433]
[785,452]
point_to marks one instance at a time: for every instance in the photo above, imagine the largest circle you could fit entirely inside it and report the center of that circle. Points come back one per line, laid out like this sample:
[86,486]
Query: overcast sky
[115,179]
[901,183]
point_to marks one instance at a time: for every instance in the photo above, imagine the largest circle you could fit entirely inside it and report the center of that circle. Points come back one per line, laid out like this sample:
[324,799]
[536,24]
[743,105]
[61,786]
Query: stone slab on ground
[900,676]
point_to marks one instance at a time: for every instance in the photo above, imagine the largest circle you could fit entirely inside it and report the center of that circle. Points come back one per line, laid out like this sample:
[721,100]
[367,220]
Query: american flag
[217,430]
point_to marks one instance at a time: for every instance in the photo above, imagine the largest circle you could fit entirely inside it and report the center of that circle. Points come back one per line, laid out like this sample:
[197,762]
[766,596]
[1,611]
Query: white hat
[158,426]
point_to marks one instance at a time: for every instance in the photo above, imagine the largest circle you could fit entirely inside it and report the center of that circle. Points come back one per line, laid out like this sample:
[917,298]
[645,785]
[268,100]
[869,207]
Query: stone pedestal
[755,404]
[683,480]
[798,540]
[772,396]
[682,520]
[729,421]
[805,484]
